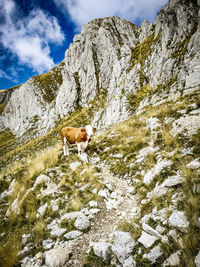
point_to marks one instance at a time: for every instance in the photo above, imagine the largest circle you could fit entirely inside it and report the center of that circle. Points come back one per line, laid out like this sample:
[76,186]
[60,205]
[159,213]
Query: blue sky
[34,34]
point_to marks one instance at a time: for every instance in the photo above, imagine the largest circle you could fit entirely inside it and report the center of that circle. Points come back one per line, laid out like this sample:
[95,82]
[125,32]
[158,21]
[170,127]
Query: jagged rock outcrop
[130,66]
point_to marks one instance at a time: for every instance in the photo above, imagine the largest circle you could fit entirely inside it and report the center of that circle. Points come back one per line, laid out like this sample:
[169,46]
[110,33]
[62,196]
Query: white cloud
[12,75]
[28,38]
[83,11]
[3,74]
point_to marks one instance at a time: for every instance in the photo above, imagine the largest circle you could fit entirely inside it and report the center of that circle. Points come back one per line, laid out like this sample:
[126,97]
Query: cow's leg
[79,148]
[85,144]
[65,147]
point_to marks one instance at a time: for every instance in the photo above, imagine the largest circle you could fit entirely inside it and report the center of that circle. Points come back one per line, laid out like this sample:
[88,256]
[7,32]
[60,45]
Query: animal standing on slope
[79,136]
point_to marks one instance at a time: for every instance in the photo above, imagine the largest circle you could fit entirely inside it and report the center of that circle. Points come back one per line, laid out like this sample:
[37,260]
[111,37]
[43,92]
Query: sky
[34,34]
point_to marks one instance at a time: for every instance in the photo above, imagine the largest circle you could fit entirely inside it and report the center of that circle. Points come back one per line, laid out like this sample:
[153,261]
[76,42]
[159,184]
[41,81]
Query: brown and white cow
[79,136]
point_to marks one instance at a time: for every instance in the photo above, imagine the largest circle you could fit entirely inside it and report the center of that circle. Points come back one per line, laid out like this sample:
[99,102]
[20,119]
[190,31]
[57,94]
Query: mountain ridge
[138,55]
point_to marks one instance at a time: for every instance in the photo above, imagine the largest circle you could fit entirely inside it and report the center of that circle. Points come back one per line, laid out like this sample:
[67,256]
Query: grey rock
[147,240]
[195,164]
[149,176]
[118,156]
[123,245]
[153,254]
[130,262]
[57,257]
[160,229]
[153,123]
[93,204]
[172,181]
[57,231]
[94,211]
[103,193]
[150,230]
[179,220]
[73,234]
[102,249]
[42,209]
[42,179]
[173,260]
[75,165]
[71,215]
[197,260]
[82,222]
[187,125]
[47,244]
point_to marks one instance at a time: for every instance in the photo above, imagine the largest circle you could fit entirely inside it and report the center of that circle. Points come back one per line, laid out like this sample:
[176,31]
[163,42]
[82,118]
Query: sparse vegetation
[91,260]
[50,82]
[135,99]
[24,162]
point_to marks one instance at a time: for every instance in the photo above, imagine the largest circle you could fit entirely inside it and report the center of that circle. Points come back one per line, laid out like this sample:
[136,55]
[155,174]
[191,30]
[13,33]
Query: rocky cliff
[120,64]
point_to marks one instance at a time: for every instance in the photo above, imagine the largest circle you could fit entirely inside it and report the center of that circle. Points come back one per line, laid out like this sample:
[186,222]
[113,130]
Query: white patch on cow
[89,130]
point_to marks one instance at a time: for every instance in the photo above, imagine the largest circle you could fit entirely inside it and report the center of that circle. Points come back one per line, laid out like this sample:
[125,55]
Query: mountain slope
[136,203]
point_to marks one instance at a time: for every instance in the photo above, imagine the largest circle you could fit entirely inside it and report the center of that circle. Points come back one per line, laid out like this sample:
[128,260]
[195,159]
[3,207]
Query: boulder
[130,262]
[73,234]
[71,215]
[147,240]
[195,164]
[179,220]
[172,181]
[102,249]
[93,204]
[57,231]
[173,260]
[57,257]
[123,245]
[74,165]
[82,222]
[154,254]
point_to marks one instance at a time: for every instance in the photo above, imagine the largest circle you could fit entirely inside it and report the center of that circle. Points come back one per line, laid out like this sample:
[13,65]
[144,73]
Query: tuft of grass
[91,260]
[43,160]
[134,229]
[9,251]
[134,99]
[39,233]
[68,224]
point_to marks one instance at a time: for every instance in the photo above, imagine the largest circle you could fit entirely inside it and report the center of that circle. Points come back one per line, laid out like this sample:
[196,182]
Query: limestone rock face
[113,58]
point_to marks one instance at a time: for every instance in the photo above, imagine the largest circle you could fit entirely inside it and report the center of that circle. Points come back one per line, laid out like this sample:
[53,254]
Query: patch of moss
[135,99]
[165,87]
[91,260]
[182,46]
[68,224]
[50,82]
[3,107]
[142,50]
[133,229]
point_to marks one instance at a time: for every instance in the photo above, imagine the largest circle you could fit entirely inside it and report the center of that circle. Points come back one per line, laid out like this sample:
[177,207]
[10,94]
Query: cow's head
[90,131]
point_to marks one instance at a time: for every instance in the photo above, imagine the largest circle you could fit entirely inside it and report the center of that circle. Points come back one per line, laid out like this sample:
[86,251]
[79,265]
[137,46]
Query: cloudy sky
[34,34]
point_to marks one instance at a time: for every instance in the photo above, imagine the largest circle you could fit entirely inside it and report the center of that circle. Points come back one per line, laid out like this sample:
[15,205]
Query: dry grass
[9,251]
[43,160]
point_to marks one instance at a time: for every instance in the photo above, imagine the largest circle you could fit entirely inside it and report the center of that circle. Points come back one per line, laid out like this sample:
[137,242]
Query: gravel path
[106,222]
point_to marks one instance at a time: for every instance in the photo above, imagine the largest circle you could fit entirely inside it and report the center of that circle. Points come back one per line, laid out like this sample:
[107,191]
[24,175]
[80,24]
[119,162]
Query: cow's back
[73,135]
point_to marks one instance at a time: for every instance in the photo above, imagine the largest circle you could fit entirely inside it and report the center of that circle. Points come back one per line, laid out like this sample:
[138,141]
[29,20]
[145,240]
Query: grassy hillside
[129,149]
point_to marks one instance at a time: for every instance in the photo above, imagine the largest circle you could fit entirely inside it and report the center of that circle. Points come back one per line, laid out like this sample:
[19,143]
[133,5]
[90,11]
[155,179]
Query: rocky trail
[106,222]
